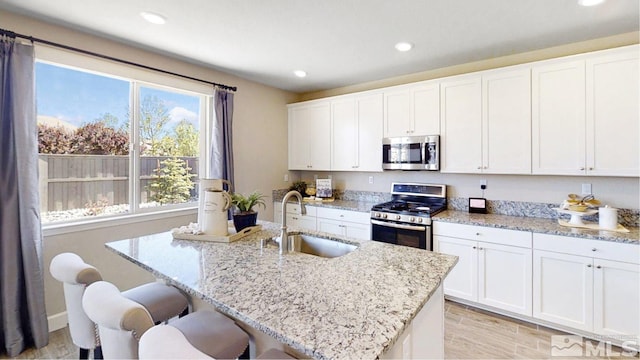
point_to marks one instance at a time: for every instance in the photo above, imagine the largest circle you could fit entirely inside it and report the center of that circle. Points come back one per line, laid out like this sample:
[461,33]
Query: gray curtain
[221,152]
[23,318]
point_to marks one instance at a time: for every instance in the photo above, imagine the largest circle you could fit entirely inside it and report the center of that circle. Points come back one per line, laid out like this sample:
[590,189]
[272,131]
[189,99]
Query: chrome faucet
[284,236]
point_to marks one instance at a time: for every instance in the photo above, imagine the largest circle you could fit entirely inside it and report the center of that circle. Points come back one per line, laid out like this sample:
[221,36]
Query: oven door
[417,236]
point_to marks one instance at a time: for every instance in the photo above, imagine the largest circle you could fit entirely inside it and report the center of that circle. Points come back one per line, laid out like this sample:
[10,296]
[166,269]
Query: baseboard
[57,321]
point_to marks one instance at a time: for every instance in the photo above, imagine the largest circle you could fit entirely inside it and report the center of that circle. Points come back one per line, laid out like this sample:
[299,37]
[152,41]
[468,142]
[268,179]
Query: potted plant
[244,215]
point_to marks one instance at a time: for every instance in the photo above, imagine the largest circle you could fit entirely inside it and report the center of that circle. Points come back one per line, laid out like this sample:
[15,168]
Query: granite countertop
[353,306]
[536,225]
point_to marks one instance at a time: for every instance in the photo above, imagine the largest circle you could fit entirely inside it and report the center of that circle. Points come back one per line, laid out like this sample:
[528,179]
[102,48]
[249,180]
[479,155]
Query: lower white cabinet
[294,218]
[587,284]
[347,223]
[494,265]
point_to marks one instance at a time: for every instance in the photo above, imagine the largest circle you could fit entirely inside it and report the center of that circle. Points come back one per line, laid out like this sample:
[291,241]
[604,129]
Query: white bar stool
[161,301]
[199,335]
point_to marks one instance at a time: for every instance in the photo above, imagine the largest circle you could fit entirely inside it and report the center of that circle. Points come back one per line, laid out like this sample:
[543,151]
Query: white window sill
[58,229]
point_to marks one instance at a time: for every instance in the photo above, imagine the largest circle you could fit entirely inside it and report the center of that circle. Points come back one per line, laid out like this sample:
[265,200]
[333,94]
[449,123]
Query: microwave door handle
[423,149]
[398,226]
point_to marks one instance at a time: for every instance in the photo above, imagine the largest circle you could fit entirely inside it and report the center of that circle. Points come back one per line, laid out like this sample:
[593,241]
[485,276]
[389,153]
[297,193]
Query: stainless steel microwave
[411,153]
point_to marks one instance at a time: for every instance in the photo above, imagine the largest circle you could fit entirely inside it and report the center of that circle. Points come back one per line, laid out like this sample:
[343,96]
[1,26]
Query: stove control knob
[419,220]
[398,217]
[377,215]
[412,219]
[384,216]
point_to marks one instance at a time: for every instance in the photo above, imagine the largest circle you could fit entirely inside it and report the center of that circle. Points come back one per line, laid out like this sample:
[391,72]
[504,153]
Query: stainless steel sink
[318,246]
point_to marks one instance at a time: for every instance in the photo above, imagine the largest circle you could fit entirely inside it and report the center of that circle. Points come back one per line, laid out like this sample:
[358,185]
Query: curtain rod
[86,52]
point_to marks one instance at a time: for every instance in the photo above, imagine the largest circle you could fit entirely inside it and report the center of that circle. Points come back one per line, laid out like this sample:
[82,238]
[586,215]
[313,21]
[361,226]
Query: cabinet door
[425,107]
[506,120]
[505,277]
[462,281]
[558,118]
[298,141]
[613,120]
[303,222]
[397,115]
[319,137]
[344,129]
[563,289]
[357,231]
[370,119]
[330,226]
[461,125]
[616,298]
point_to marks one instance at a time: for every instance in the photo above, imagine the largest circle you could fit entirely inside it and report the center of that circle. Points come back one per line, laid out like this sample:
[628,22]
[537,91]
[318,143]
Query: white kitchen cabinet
[348,223]
[310,136]
[486,122]
[613,115]
[356,133]
[461,125]
[585,114]
[506,121]
[412,110]
[294,218]
[587,284]
[494,265]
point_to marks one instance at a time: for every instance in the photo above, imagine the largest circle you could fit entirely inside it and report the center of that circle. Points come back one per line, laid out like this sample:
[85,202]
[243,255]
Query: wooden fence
[80,181]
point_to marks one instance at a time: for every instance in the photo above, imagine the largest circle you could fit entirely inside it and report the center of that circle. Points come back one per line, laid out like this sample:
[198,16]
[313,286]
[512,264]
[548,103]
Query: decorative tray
[185,233]
[318,200]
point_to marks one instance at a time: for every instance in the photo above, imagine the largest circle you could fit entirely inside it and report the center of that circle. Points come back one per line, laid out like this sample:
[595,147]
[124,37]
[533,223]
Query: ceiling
[337,42]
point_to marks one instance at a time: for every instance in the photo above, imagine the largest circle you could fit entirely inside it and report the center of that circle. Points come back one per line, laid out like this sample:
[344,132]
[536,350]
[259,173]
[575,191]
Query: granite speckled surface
[353,306]
[537,225]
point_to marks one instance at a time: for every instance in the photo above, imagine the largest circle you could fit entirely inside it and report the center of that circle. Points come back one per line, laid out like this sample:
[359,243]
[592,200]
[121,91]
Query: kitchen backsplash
[626,217]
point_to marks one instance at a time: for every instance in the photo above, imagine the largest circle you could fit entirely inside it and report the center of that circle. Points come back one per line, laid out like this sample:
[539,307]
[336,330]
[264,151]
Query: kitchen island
[378,301]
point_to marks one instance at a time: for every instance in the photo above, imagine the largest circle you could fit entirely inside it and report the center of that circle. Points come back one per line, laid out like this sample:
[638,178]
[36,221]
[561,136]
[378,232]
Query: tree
[99,139]
[171,182]
[186,139]
[154,116]
[54,140]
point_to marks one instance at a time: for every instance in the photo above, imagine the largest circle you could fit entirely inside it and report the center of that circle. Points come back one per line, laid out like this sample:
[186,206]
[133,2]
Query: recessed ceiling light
[300,73]
[404,46]
[590,2]
[153,17]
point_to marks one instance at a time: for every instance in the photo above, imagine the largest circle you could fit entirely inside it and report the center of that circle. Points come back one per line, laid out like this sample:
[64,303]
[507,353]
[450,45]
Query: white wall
[260,151]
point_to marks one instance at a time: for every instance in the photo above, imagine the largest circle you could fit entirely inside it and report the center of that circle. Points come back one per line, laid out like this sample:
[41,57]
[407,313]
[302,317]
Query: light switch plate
[586,189]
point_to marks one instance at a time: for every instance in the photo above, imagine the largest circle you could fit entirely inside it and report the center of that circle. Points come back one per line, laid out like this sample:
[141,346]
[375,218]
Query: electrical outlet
[370,179]
[286,177]
[586,189]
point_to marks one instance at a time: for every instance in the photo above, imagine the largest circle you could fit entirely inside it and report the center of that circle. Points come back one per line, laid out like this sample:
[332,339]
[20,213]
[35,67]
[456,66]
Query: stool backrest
[121,321]
[76,275]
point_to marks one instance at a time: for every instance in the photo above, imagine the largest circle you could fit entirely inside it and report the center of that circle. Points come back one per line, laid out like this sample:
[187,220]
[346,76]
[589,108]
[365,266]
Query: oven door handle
[398,226]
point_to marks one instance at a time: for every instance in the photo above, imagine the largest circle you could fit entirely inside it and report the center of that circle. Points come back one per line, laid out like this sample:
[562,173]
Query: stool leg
[185,312]
[245,354]
[84,354]
[97,353]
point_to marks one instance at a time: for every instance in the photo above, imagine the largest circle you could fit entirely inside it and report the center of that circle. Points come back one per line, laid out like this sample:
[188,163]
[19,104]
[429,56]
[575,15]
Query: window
[111,145]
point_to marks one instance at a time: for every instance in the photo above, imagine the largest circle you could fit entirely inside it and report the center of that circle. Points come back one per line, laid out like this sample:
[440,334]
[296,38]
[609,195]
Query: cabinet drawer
[586,247]
[482,233]
[344,215]
[293,208]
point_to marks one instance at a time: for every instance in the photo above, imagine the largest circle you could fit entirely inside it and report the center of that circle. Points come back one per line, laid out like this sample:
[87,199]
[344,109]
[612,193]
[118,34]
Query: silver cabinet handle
[598,267]
[581,169]
[480,248]
[475,247]
[588,265]
[594,249]
[590,168]
[477,234]
[479,167]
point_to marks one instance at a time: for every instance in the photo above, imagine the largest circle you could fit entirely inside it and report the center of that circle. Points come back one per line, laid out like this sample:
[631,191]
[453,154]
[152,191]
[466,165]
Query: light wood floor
[469,334]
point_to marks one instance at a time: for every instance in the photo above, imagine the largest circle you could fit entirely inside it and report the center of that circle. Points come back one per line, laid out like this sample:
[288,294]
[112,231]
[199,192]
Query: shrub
[171,182]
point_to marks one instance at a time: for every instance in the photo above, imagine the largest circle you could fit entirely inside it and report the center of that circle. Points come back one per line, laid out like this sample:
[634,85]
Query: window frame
[137,77]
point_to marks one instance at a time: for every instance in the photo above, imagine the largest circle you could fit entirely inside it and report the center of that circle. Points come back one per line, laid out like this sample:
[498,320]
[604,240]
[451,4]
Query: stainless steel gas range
[406,220]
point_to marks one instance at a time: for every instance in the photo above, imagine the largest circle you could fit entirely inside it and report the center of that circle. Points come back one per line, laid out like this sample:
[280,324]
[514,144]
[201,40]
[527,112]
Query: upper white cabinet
[486,122]
[506,122]
[310,137]
[356,133]
[585,114]
[412,110]
[613,120]
[461,125]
